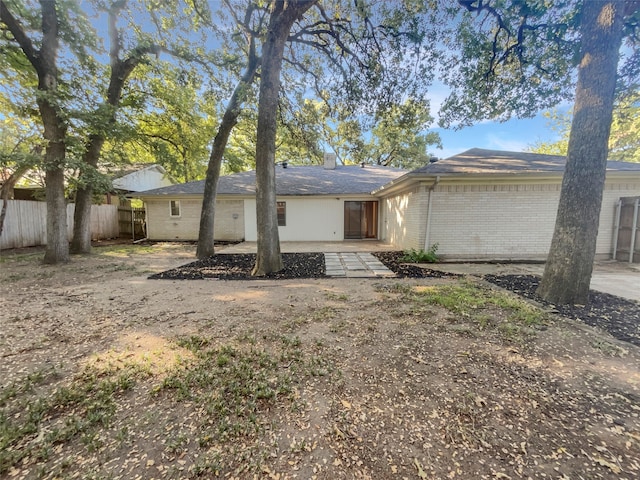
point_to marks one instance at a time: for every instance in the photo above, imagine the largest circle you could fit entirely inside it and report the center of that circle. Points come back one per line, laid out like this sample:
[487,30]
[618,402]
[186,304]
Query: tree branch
[20,35]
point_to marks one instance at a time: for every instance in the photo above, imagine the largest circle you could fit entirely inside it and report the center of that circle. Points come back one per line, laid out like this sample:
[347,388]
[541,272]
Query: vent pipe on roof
[285,164]
[433,159]
[361,164]
[329,161]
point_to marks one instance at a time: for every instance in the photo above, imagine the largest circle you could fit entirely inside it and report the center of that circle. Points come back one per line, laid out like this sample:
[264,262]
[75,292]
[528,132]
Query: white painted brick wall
[504,221]
[162,226]
[403,219]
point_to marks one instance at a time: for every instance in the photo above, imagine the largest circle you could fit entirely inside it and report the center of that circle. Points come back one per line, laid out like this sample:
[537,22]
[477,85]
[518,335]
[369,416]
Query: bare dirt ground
[106,374]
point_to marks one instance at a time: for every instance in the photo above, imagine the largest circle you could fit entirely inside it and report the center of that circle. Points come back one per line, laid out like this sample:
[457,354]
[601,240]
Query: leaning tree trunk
[81,241]
[121,69]
[282,18]
[569,266]
[206,246]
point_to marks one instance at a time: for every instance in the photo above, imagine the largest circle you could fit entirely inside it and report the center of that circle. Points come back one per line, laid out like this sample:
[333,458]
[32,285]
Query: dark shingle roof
[296,180]
[481,161]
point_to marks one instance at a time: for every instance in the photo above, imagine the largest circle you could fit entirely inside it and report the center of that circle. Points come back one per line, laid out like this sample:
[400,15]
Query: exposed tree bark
[120,72]
[230,118]
[55,126]
[283,16]
[569,266]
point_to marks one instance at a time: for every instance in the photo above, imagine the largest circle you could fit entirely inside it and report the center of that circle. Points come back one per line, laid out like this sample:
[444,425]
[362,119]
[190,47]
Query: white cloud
[501,141]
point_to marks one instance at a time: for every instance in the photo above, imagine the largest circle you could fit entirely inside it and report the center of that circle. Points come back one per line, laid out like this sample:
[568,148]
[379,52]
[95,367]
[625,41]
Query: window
[282,214]
[175,208]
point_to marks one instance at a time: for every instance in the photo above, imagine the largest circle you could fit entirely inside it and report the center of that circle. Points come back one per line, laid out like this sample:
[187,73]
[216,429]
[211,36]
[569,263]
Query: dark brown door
[360,220]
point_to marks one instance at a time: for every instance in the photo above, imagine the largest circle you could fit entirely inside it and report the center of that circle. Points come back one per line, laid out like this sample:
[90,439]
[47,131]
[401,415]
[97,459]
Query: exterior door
[360,220]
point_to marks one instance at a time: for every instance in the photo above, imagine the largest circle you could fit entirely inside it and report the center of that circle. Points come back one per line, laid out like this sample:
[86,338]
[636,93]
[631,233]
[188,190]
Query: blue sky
[514,135]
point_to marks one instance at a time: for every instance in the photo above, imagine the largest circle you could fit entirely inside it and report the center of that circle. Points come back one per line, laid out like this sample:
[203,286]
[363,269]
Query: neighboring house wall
[403,217]
[508,221]
[229,219]
[318,219]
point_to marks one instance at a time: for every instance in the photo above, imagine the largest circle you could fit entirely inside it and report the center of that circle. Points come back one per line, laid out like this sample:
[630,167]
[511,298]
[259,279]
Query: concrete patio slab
[355,246]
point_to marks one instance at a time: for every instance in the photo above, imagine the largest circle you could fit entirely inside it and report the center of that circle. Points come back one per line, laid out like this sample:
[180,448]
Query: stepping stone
[355,265]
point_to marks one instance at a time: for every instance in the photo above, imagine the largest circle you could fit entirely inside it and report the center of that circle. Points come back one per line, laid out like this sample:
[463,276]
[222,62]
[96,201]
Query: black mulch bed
[392,260]
[238,267]
[619,317]
[296,265]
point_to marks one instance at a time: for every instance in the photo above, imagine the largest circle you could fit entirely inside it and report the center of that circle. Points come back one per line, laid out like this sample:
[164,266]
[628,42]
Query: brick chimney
[329,161]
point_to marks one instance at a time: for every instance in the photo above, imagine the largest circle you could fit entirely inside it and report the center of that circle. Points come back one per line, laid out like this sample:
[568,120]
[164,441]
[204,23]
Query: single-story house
[478,204]
[315,203]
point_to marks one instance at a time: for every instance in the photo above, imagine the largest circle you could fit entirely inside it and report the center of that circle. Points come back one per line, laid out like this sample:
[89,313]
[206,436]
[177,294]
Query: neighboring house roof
[296,180]
[481,161]
[143,178]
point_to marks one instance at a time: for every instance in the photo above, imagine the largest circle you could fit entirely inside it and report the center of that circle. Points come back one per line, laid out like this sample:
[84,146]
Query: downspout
[427,234]
[616,229]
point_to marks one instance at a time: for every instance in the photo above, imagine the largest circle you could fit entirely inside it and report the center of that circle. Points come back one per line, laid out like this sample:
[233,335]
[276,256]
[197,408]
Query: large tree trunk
[55,132]
[44,62]
[283,16]
[57,250]
[569,266]
[206,246]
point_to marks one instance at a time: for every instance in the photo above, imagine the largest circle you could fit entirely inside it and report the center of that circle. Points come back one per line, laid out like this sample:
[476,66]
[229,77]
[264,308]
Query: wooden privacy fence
[131,222]
[26,223]
[626,244]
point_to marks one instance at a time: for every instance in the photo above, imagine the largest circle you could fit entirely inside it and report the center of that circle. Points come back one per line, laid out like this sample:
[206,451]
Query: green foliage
[413,255]
[624,140]
[177,124]
[235,385]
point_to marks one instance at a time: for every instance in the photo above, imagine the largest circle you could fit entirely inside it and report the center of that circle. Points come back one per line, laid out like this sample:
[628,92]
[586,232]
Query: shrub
[413,255]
